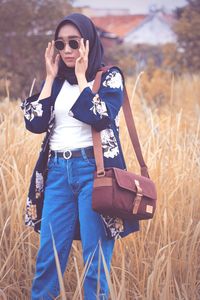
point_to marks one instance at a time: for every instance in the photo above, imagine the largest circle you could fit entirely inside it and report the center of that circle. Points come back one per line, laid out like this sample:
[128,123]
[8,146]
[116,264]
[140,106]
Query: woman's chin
[69,64]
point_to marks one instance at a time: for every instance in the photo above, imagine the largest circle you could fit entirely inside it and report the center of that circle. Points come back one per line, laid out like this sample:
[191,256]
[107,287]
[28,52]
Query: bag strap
[131,129]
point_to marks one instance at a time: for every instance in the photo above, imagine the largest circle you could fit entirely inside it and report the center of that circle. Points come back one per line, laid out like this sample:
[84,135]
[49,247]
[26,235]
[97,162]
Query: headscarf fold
[88,32]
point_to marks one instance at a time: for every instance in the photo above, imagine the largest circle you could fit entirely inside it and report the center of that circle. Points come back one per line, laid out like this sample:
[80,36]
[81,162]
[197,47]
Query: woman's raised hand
[82,61]
[51,70]
[51,63]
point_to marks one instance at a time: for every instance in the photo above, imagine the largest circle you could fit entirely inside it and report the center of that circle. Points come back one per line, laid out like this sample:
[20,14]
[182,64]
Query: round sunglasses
[73,44]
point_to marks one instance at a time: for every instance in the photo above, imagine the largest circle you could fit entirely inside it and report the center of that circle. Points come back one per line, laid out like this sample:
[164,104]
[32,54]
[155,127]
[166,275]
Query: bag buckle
[101,173]
[67,154]
[138,197]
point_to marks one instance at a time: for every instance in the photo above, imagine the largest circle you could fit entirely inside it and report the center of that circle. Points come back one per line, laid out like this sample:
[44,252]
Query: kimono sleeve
[37,113]
[100,109]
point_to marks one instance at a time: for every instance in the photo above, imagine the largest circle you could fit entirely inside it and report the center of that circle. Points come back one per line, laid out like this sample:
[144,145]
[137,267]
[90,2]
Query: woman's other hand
[82,61]
[82,65]
[51,63]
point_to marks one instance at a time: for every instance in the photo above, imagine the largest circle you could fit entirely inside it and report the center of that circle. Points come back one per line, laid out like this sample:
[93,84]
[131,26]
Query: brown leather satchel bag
[117,192]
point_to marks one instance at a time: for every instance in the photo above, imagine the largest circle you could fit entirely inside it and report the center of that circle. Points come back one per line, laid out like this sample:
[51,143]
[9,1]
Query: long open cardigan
[99,110]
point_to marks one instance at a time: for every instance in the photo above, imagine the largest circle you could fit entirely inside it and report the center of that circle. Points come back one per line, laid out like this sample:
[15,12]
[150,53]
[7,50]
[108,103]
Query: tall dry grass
[159,262]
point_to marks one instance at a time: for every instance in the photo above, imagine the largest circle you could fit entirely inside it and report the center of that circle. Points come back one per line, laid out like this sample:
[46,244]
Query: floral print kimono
[100,110]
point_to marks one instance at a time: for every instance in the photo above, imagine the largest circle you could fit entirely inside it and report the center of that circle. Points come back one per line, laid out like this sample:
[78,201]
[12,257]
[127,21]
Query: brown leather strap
[133,133]
[97,81]
[131,129]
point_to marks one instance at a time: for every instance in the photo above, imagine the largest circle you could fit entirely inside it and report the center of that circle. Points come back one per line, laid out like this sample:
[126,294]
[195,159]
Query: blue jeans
[67,200]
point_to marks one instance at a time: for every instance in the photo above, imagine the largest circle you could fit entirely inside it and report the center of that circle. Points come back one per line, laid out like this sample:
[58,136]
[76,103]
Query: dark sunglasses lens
[59,45]
[73,44]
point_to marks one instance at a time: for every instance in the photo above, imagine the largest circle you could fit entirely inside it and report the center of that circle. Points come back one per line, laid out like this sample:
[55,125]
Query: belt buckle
[68,155]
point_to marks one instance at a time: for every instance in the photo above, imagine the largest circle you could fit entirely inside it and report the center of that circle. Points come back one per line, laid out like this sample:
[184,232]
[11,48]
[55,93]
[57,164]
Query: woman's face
[69,55]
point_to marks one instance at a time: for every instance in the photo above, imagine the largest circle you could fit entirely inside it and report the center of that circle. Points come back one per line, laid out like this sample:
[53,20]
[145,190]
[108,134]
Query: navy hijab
[88,32]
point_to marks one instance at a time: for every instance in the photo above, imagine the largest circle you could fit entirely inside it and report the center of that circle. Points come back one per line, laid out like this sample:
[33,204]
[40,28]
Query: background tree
[25,29]
[187,29]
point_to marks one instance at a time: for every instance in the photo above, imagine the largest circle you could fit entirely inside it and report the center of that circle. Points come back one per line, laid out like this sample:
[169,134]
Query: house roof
[120,25]
[154,29]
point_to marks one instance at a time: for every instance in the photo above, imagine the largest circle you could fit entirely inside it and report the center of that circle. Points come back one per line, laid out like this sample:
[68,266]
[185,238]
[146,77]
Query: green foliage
[187,29]
[25,29]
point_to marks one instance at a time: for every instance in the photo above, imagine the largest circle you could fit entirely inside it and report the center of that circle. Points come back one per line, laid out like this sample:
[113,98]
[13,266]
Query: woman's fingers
[49,50]
[52,48]
[57,58]
[81,49]
[84,50]
[51,63]
[87,47]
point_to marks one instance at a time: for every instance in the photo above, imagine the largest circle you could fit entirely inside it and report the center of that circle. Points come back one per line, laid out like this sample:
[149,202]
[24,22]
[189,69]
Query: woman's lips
[69,58]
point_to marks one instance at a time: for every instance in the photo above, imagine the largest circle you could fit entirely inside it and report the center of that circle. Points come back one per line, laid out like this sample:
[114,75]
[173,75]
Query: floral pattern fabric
[109,143]
[99,107]
[39,184]
[114,226]
[117,121]
[113,80]
[32,109]
[28,213]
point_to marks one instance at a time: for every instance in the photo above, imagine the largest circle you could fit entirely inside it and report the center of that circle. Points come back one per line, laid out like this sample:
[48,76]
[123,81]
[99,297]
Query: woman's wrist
[49,79]
[46,91]
[82,82]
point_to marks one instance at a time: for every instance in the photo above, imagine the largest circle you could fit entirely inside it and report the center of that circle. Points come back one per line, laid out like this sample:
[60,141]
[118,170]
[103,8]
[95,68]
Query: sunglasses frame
[68,42]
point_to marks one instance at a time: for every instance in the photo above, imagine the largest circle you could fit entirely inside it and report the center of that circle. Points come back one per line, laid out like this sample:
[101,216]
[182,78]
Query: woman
[59,201]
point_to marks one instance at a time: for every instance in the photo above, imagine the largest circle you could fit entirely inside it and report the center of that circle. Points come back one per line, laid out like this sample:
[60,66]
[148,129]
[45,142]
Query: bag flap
[127,179]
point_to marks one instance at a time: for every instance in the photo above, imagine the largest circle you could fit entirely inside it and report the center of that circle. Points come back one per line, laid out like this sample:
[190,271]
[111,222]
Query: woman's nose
[67,48]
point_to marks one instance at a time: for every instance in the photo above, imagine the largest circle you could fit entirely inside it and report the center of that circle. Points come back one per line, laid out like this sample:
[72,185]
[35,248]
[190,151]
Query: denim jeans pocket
[51,163]
[90,160]
[54,163]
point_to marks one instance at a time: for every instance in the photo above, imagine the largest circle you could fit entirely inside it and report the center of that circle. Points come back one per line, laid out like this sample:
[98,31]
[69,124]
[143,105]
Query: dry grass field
[162,261]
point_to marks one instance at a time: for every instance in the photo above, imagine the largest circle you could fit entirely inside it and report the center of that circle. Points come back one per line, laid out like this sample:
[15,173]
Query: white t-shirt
[69,133]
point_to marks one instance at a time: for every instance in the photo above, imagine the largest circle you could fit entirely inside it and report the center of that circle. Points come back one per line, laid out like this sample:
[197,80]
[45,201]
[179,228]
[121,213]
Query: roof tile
[120,25]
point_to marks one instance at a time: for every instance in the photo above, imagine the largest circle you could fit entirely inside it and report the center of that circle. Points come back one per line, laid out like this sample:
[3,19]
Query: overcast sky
[136,6]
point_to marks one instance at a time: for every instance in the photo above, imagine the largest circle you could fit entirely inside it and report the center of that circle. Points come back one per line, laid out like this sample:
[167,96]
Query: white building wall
[153,31]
